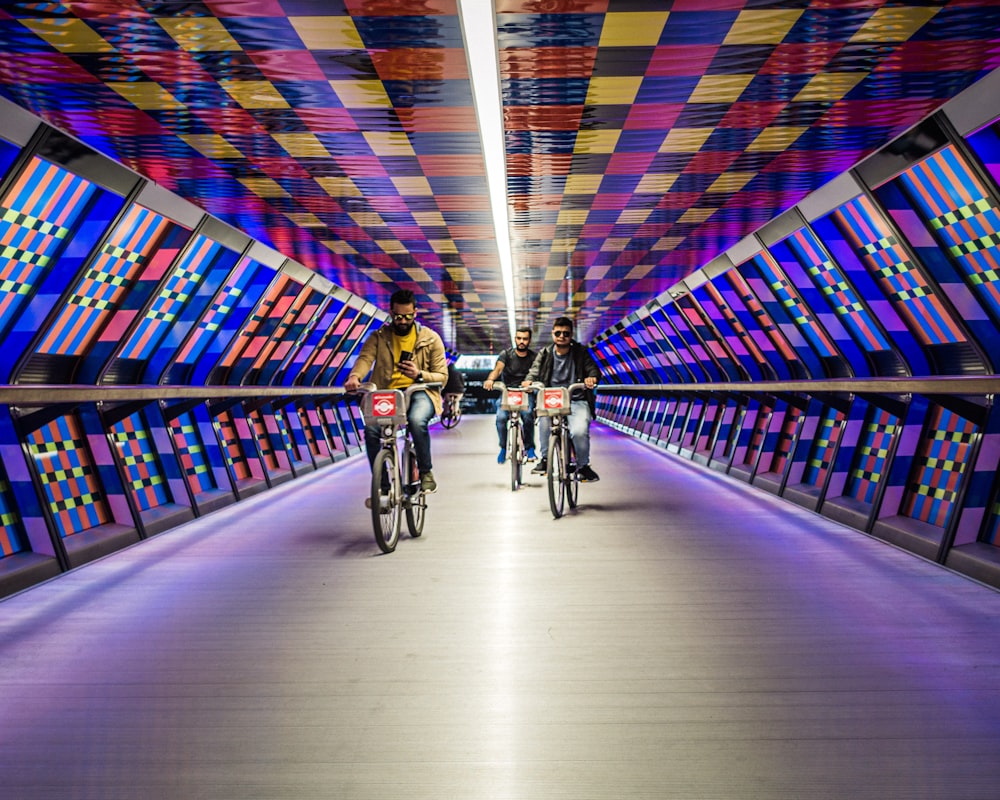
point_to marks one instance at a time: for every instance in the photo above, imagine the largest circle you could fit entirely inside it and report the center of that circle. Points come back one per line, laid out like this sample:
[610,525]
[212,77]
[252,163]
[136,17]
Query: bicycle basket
[554,402]
[514,399]
[384,407]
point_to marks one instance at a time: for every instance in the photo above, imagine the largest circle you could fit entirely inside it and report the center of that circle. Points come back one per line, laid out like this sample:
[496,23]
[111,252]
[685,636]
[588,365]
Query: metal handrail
[958,385]
[37,394]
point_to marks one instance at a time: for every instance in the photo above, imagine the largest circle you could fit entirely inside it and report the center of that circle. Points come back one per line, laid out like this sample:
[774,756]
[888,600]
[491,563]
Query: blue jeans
[527,425]
[579,432]
[418,417]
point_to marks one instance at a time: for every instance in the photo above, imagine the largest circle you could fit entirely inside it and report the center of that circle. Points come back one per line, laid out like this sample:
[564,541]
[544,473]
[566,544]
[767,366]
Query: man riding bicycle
[562,363]
[404,352]
[512,366]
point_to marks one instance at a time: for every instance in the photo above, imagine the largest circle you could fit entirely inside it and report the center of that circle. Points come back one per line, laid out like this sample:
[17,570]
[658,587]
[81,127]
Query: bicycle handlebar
[537,386]
[368,387]
[501,386]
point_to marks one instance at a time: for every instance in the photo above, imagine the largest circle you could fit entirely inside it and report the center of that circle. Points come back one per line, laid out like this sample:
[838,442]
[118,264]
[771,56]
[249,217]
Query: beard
[402,328]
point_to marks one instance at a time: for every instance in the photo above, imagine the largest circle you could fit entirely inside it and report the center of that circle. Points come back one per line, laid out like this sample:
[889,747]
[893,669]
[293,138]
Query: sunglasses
[402,317]
[561,334]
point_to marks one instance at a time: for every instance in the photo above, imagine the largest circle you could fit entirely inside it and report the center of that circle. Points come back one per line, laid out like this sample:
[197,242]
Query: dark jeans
[579,432]
[419,417]
[527,425]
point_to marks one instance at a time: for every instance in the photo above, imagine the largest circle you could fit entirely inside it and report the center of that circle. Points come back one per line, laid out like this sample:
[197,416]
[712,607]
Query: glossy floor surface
[679,636]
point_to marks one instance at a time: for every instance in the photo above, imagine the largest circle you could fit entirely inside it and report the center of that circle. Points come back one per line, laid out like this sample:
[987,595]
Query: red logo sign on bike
[515,398]
[552,398]
[384,404]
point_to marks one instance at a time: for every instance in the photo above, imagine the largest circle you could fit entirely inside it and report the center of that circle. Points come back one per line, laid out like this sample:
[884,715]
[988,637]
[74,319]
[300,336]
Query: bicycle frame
[563,480]
[514,400]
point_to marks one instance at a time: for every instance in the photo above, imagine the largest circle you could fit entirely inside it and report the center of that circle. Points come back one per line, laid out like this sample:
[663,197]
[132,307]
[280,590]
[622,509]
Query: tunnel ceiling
[642,138]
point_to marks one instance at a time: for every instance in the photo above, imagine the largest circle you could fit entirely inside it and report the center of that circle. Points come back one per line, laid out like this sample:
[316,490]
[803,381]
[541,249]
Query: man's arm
[436,370]
[363,365]
[591,372]
[536,369]
[495,373]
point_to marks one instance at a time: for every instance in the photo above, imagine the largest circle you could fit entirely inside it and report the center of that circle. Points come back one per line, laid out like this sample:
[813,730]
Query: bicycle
[514,400]
[451,410]
[395,487]
[563,479]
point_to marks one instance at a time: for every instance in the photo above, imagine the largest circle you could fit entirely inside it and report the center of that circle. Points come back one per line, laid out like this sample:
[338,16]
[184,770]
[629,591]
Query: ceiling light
[479,31]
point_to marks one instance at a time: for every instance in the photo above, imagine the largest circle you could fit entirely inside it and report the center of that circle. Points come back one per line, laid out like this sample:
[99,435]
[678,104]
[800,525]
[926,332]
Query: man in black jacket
[562,363]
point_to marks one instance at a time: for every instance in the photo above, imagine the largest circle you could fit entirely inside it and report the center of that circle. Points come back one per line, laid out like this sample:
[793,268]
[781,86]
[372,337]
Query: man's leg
[502,417]
[373,441]
[579,431]
[419,419]
[528,425]
[544,425]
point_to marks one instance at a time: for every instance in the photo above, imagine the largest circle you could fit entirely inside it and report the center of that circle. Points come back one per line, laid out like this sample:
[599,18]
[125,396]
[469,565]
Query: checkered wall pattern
[900,278]
[11,533]
[940,465]
[822,448]
[225,426]
[872,455]
[106,283]
[68,475]
[835,287]
[264,444]
[191,451]
[956,205]
[791,424]
[180,285]
[36,219]
[140,464]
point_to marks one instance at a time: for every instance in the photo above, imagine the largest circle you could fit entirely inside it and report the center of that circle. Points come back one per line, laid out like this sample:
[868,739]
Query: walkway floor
[679,636]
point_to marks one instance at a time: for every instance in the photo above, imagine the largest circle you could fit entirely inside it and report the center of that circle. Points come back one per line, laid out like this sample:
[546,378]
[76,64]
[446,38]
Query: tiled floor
[679,636]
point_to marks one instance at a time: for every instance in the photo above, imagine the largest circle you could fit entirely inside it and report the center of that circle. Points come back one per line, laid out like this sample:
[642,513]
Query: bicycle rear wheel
[515,452]
[387,517]
[557,470]
[415,499]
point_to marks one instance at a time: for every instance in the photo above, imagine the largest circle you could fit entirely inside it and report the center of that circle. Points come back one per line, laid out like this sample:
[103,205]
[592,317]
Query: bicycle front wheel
[450,414]
[557,473]
[416,500]
[515,452]
[387,513]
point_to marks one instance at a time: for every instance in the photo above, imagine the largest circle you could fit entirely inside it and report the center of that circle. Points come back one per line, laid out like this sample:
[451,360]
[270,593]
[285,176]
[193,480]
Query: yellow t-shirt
[399,344]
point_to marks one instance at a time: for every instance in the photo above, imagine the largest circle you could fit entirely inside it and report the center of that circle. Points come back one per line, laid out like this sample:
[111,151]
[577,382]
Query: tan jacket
[428,355]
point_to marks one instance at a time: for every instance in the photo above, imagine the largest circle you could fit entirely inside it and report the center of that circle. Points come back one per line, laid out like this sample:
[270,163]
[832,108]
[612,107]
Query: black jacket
[583,361]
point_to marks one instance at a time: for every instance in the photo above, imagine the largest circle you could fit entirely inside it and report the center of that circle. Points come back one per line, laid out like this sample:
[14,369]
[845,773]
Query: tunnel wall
[832,357]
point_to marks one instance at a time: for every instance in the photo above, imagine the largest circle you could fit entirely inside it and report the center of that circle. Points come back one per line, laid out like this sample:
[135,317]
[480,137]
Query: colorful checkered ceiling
[643,138]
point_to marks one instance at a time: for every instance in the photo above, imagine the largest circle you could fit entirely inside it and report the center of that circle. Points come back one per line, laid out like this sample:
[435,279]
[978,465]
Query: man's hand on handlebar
[590,383]
[351,384]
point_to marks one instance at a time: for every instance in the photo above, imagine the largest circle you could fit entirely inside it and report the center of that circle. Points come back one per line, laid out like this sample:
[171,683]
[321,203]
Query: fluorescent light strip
[479,32]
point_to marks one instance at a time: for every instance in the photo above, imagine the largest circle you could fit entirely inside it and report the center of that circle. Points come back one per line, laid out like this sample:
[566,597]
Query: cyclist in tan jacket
[400,353]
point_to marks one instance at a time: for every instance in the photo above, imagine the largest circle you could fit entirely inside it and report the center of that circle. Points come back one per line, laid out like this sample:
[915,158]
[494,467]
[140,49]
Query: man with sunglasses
[562,363]
[400,353]
[512,365]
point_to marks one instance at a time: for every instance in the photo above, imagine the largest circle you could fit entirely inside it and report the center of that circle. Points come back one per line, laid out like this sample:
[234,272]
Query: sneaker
[503,455]
[383,502]
[540,468]
[531,454]
[587,475]
[427,483]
